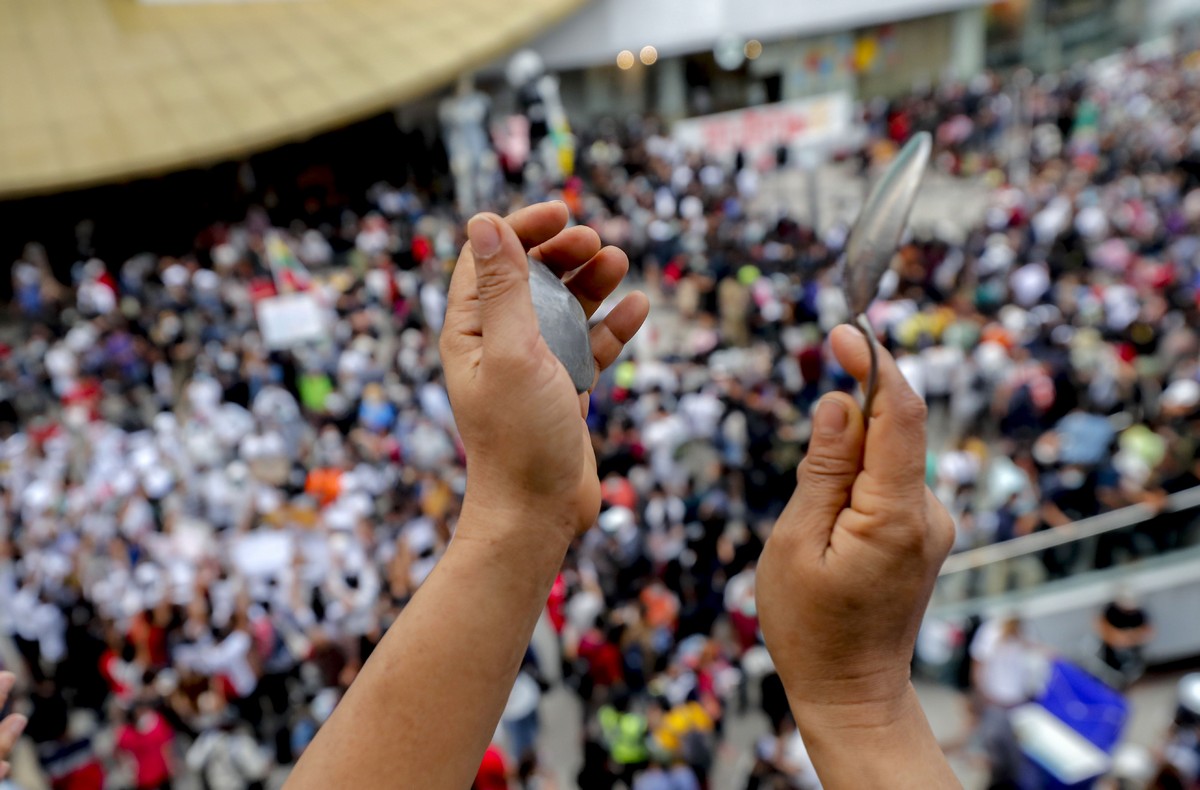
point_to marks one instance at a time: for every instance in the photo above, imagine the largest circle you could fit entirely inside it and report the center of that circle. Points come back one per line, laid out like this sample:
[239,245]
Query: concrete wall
[1061,615]
[926,49]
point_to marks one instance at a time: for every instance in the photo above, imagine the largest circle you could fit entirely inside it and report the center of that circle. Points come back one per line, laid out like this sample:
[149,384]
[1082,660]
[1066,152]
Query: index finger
[539,223]
[534,225]
[894,456]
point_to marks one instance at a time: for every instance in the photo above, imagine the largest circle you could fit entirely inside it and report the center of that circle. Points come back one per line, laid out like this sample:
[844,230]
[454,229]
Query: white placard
[262,553]
[291,320]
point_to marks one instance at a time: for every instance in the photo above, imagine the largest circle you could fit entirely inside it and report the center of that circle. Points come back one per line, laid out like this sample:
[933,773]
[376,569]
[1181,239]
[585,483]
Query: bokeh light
[624,59]
[649,55]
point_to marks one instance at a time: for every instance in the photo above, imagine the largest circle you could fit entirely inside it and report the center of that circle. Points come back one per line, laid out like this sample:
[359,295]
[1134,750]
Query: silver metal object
[874,238]
[563,324]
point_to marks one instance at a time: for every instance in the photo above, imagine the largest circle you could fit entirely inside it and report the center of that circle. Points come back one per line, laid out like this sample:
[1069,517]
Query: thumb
[506,314]
[834,458]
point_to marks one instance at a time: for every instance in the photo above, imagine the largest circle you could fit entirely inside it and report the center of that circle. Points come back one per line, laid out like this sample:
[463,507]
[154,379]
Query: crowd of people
[205,534]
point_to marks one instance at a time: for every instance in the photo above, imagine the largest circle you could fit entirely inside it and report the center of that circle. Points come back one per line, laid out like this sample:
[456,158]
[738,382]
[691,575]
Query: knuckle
[819,467]
[495,282]
[451,347]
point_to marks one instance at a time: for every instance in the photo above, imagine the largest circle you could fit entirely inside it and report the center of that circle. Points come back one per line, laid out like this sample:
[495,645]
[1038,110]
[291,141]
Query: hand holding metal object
[874,238]
[563,324]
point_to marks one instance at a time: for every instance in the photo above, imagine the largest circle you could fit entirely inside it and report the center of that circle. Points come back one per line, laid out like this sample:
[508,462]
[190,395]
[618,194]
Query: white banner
[820,121]
[291,320]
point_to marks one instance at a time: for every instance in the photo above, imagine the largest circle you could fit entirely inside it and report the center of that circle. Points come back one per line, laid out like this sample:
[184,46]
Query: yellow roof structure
[93,91]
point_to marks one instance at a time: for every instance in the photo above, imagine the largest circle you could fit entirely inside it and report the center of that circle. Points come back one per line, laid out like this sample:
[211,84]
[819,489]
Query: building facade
[680,58]
[677,58]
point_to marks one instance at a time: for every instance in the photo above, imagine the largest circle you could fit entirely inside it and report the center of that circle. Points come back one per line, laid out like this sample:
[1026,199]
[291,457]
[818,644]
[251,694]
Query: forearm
[426,704]
[883,744]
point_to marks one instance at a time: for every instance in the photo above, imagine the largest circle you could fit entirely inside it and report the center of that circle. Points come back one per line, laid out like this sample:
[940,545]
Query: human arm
[1053,515]
[1026,523]
[844,581]
[426,704]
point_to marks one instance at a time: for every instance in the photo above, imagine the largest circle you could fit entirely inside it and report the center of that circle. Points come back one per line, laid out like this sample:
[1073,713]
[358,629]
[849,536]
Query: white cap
[1181,394]
[1189,692]
[616,518]
[157,482]
[175,276]
[225,255]
[206,280]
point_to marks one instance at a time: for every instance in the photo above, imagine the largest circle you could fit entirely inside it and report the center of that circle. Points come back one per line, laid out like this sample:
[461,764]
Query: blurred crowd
[204,536]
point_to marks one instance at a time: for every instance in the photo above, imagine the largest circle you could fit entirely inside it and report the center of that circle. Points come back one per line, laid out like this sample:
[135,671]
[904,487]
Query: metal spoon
[874,238]
[563,324]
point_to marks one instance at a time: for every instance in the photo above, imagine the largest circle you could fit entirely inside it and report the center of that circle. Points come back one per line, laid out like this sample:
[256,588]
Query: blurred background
[228,458]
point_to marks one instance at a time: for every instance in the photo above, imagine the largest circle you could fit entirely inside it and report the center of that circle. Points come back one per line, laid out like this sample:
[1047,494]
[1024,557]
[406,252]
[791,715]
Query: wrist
[903,752]
[862,713]
[863,704]
[515,525]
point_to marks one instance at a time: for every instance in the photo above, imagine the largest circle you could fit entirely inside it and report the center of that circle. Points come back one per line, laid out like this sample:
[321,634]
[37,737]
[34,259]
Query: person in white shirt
[228,758]
[1005,673]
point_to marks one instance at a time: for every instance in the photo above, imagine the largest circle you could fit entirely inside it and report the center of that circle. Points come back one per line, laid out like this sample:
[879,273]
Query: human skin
[424,707]
[844,580]
[12,726]
[426,704]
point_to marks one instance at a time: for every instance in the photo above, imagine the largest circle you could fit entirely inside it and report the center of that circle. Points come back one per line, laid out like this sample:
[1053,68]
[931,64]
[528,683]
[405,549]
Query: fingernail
[484,236]
[16,724]
[831,417]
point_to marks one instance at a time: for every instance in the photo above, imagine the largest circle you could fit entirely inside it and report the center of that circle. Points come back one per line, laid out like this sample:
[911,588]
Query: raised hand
[847,573]
[521,420]
[426,704]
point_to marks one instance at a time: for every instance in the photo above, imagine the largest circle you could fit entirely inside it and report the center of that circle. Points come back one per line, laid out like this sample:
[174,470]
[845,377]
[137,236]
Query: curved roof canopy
[93,91]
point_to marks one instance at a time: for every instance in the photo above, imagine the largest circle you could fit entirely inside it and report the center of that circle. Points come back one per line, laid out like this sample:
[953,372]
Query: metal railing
[1017,563]
[1068,533]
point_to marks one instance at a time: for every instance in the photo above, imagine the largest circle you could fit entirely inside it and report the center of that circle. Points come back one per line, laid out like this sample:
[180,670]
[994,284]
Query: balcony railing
[1125,535]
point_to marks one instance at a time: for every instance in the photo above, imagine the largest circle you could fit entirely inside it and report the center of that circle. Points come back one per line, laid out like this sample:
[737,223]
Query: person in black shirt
[1124,629]
[1167,531]
[1073,495]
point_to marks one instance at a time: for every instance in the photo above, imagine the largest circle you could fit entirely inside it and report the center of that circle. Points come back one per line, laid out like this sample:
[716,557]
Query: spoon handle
[863,324]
